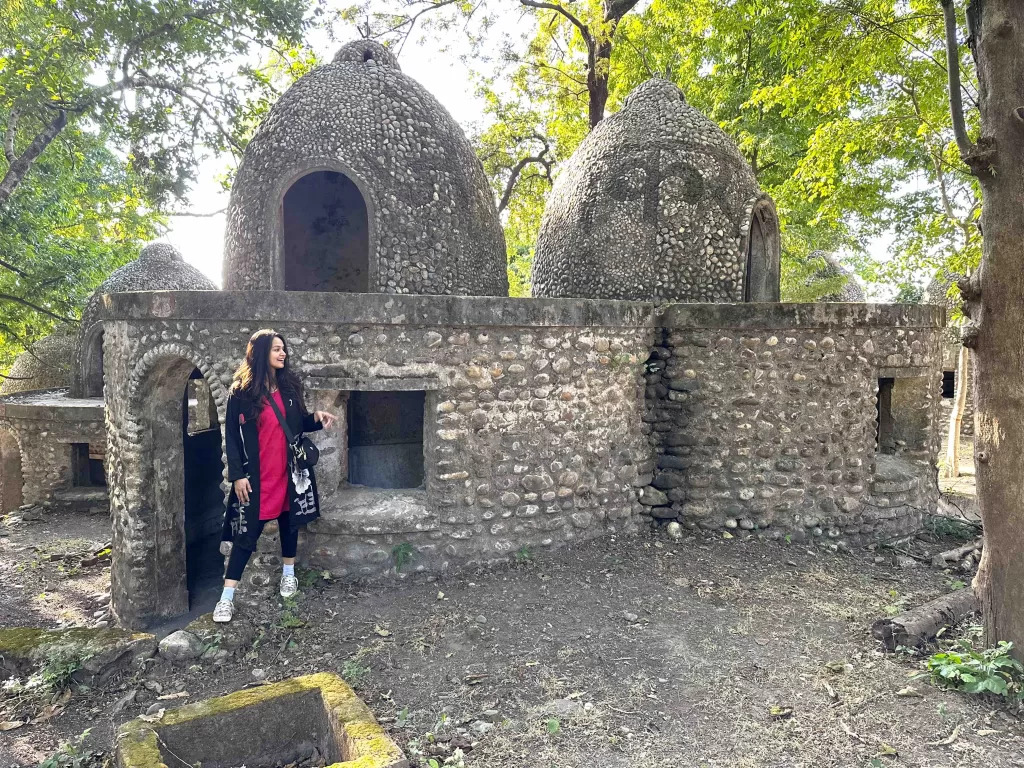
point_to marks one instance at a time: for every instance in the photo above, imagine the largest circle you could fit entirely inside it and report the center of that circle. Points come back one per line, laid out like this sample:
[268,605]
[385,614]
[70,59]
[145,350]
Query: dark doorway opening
[385,439]
[948,384]
[884,434]
[326,235]
[92,366]
[204,500]
[87,466]
[762,278]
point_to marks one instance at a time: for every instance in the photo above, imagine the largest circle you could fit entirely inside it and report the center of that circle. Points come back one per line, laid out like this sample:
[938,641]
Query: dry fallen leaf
[382,631]
[10,725]
[50,710]
[884,750]
[830,691]
[780,713]
[155,717]
[946,741]
[169,696]
[987,731]
[850,732]
[910,692]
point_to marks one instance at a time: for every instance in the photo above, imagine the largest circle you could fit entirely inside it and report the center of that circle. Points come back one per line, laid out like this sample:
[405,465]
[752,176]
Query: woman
[265,485]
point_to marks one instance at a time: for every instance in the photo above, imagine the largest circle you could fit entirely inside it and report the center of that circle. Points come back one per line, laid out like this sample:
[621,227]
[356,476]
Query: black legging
[289,545]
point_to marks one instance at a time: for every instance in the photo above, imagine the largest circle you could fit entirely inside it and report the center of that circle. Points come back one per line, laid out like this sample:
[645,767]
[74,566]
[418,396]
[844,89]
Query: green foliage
[990,670]
[402,554]
[354,673]
[553,726]
[524,555]
[121,99]
[74,755]
[56,672]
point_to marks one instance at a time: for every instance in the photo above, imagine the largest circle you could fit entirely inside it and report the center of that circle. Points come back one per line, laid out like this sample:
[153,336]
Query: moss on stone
[32,644]
[365,740]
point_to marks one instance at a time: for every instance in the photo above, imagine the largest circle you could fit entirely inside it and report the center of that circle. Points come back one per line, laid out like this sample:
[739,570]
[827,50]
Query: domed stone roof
[657,203]
[851,290]
[47,364]
[160,267]
[388,194]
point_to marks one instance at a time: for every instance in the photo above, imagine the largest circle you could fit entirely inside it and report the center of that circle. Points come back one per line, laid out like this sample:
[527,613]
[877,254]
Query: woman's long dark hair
[252,379]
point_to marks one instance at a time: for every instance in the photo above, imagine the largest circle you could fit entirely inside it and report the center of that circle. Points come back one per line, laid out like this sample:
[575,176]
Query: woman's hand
[325,418]
[243,489]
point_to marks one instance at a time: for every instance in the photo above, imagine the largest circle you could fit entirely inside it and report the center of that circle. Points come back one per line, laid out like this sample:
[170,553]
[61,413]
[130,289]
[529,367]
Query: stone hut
[851,291]
[47,364]
[937,293]
[472,426]
[360,181]
[160,267]
[658,204]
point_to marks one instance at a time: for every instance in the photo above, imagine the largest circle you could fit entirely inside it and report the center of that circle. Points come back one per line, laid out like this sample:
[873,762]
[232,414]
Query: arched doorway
[204,499]
[92,362]
[182,468]
[10,472]
[326,234]
[763,247]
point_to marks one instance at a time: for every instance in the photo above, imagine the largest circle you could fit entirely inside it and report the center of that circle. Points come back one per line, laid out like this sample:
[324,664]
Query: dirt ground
[625,652]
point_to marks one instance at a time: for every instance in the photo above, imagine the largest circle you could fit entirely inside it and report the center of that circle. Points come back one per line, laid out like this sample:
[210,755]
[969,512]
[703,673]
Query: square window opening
[87,466]
[385,439]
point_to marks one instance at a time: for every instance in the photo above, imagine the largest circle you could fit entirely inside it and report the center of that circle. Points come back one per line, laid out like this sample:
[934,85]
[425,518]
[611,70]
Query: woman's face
[277,354]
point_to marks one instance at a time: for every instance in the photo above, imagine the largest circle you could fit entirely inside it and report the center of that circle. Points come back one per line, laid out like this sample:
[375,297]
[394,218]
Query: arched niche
[325,234]
[91,372]
[182,469]
[763,248]
[11,480]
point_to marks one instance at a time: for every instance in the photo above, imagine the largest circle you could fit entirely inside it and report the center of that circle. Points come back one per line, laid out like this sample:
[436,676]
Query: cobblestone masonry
[533,430]
[763,419]
[433,225]
[657,204]
[46,424]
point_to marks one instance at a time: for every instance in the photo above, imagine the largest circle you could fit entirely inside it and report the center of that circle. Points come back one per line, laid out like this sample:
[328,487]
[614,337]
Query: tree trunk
[598,69]
[995,300]
[17,169]
[956,418]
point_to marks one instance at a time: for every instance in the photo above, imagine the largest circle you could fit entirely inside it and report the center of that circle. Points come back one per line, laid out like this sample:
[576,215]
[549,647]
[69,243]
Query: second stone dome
[358,180]
[658,204]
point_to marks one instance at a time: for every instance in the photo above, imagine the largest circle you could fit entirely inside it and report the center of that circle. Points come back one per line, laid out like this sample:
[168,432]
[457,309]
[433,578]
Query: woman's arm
[233,440]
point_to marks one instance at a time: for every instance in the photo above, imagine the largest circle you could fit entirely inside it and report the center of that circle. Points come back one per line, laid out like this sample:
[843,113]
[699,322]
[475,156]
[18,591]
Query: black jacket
[242,443]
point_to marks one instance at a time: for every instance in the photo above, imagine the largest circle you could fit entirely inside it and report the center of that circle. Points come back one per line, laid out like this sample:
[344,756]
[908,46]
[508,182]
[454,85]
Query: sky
[201,238]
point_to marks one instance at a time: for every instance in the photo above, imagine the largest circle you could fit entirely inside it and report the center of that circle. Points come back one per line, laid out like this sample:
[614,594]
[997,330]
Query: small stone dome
[358,180]
[47,364]
[160,267]
[851,290]
[657,203]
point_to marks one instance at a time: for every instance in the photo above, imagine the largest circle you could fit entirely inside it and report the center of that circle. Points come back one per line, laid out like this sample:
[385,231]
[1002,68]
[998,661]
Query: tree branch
[11,268]
[583,28]
[956,105]
[540,158]
[36,307]
[16,171]
[12,123]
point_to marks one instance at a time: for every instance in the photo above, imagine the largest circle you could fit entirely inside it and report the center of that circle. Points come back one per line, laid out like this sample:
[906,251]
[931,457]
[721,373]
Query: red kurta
[273,462]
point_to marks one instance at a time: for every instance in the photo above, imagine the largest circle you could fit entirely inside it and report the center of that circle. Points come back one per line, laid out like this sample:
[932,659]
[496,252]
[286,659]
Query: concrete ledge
[783,316]
[265,726]
[51,405]
[256,308]
[374,511]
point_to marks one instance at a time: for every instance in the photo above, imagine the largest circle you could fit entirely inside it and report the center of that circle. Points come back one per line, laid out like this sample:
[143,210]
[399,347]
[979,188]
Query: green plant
[553,726]
[524,554]
[354,672]
[59,667]
[289,618]
[402,553]
[990,670]
[951,528]
[72,755]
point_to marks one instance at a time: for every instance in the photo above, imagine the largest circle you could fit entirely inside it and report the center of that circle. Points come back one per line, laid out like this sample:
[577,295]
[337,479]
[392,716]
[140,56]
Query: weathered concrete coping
[261,724]
[51,405]
[256,308]
[756,317]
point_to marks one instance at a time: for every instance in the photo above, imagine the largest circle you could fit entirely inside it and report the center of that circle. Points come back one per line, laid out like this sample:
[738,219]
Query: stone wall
[46,426]
[763,418]
[532,427]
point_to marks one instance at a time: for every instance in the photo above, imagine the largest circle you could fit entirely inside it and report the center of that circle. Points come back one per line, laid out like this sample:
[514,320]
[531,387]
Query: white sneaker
[289,586]
[223,611]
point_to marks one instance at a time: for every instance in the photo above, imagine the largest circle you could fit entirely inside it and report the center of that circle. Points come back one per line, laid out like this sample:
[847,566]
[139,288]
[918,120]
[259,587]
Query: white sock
[289,570]
[228,594]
